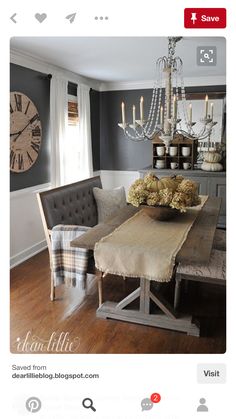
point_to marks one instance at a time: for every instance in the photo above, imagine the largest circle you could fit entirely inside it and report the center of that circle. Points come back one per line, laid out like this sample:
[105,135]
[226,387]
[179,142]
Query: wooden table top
[197,247]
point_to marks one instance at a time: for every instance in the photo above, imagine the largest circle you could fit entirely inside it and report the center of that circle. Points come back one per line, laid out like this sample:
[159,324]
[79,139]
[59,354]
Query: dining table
[195,249]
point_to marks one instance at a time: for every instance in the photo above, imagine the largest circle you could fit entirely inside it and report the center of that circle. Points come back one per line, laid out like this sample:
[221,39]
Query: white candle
[190,113]
[161,116]
[141,108]
[123,113]
[134,118]
[206,106]
[174,107]
[212,110]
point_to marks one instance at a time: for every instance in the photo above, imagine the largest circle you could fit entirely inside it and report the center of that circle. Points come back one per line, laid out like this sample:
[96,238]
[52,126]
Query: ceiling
[119,59]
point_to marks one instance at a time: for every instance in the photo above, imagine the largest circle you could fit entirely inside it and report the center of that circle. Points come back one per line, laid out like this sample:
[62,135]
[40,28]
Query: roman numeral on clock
[12,159]
[36,132]
[27,107]
[29,158]
[20,162]
[35,146]
[18,100]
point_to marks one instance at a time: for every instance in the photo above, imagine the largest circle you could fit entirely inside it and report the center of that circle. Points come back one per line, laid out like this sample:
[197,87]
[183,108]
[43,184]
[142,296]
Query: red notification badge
[155,397]
[208,18]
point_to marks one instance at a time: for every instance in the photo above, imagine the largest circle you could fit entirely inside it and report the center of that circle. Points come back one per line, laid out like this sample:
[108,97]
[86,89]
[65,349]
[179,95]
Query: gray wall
[37,87]
[95,127]
[116,152]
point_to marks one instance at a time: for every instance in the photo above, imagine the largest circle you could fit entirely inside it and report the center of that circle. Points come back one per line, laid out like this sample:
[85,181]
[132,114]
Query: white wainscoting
[114,178]
[26,230]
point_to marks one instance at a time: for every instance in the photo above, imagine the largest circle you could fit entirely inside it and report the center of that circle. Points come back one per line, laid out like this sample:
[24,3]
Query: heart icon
[40,17]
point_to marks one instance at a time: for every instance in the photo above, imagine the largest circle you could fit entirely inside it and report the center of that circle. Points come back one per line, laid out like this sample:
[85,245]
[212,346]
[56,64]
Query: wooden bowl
[160,213]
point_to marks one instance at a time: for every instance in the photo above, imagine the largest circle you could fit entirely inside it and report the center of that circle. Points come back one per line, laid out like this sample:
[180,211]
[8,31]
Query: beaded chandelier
[167,97]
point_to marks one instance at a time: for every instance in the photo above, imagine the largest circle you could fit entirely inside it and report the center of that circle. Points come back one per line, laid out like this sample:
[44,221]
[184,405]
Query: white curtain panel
[86,162]
[58,123]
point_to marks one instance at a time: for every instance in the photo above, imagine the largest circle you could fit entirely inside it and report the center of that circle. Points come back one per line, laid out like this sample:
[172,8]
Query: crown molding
[37,64]
[148,84]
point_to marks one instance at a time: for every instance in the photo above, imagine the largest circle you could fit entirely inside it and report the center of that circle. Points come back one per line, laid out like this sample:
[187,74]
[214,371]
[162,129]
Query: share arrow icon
[71,17]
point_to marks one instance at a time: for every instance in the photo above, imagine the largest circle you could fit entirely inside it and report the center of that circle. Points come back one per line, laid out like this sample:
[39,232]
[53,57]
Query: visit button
[211,18]
[211,373]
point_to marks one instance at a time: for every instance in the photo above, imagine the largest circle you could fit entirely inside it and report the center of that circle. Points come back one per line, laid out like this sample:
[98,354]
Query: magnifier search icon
[88,404]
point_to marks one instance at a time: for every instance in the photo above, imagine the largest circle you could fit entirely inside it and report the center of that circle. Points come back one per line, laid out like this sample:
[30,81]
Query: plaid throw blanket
[69,264]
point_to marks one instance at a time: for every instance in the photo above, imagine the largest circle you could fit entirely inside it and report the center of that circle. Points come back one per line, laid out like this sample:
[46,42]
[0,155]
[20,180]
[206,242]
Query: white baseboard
[27,253]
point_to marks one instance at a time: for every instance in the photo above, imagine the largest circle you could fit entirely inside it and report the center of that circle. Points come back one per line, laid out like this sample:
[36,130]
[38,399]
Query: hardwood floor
[35,319]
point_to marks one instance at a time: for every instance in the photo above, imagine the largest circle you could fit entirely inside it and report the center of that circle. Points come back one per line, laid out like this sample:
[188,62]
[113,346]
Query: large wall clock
[25,132]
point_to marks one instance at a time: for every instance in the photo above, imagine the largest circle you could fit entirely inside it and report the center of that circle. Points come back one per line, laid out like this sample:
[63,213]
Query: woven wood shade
[73,114]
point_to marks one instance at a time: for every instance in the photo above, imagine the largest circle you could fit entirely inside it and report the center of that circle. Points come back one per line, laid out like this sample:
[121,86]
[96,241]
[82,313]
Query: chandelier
[168,97]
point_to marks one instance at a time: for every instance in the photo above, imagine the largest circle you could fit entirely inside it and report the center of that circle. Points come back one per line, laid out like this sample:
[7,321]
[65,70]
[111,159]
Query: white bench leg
[99,279]
[52,294]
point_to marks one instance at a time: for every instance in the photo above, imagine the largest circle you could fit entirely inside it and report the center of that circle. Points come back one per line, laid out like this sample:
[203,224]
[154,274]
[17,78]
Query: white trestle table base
[167,319]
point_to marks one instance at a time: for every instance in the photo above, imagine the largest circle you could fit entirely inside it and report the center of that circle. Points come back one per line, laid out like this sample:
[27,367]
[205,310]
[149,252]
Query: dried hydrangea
[179,201]
[188,186]
[137,196]
[137,183]
[165,197]
[153,199]
[183,200]
[152,191]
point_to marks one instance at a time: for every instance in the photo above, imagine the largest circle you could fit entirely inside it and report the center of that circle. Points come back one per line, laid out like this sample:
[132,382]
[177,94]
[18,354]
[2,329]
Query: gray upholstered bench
[72,204]
[212,273]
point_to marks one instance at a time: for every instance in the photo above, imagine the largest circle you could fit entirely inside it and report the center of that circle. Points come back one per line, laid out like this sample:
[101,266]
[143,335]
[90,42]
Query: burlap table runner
[143,247]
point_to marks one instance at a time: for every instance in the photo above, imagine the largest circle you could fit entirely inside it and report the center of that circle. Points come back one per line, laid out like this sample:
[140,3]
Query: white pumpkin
[211,167]
[212,157]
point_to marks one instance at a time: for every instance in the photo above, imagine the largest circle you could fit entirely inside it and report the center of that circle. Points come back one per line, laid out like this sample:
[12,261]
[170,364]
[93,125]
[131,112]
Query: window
[77,156]
[73,146]
[73,115]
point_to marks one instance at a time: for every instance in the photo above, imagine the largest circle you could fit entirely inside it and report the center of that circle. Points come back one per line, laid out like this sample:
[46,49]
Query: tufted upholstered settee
[72,204]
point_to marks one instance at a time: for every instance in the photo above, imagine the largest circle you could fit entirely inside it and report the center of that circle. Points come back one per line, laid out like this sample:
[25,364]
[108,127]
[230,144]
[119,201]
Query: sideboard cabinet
[210,183]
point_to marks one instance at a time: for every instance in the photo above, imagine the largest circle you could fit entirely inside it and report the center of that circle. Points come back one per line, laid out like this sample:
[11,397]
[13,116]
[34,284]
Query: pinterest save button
[208,18]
